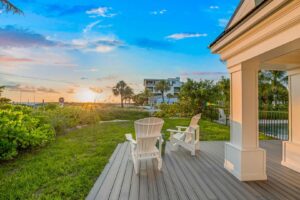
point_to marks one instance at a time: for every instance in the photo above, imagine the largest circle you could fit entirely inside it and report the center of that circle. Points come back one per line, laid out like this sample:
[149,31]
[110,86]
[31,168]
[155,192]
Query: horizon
[80,50]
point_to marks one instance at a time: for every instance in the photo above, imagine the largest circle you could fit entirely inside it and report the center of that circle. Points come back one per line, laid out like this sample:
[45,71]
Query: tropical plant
[128,94]
[169,96]
[119,90]
[21,130]
[3,100]
[9,7]
[223,86]
[162,86]
[273,89]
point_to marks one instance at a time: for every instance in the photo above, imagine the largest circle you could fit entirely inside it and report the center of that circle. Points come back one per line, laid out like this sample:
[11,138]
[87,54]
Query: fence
[274,124]
[271,123]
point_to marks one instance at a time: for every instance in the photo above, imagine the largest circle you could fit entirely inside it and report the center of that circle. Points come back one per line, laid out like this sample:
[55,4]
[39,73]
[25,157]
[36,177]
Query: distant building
[175,85]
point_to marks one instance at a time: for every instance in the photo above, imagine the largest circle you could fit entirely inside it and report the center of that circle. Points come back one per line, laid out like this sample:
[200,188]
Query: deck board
[184,177]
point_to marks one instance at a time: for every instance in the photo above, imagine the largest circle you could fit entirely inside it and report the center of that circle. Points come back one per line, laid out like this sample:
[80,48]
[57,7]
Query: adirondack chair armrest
[181,127]
[130,139]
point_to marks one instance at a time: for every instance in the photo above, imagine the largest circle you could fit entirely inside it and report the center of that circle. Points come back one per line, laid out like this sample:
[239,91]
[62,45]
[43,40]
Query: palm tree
[147,94]
[169,96]
[128,93]
[119,89]
[9,7]
[278,80]
[162,86]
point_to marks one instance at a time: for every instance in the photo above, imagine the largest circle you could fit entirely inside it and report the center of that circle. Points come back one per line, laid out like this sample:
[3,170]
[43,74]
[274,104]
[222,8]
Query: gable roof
[244,10]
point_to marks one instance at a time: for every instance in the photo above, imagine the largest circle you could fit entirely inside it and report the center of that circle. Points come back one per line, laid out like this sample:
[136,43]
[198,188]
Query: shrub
[19,130]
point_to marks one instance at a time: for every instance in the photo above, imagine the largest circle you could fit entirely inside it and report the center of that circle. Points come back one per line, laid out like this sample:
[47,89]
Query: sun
[85,95]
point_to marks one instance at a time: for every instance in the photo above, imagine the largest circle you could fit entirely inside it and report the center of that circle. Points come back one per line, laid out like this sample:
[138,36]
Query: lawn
[68,167]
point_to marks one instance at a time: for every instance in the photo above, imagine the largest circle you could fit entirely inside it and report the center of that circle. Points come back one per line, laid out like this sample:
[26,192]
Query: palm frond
[9,7]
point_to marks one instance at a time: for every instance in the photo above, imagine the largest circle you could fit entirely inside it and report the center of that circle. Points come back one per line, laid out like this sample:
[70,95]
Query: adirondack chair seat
[148,132]
[179,136]
[186,137]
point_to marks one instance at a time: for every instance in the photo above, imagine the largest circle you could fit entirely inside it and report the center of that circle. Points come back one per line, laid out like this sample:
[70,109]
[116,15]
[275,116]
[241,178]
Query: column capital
[294,71]
[247,65]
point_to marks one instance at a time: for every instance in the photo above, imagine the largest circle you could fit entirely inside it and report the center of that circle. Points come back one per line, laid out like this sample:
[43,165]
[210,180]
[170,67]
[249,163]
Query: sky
[80,49]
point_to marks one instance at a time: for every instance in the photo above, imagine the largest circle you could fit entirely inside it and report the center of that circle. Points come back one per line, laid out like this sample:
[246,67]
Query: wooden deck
[190,178]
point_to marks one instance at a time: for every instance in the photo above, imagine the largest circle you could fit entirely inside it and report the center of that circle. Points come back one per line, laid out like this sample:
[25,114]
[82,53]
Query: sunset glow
[56,49]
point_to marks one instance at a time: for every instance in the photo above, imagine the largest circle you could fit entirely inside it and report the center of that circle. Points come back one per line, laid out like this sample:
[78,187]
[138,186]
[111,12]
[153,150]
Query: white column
[243,157]
[291,148]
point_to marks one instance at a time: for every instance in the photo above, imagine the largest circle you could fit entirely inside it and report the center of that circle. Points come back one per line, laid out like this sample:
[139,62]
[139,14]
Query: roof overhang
[248,22]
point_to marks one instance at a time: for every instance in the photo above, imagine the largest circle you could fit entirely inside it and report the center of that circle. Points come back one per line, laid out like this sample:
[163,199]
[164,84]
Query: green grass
[68,167]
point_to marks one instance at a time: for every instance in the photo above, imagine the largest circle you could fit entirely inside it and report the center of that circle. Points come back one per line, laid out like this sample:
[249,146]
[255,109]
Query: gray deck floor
[186,177]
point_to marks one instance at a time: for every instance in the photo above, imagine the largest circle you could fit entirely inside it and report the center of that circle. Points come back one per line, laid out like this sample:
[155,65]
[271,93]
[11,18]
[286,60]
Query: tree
[9,7]
[3,100]
[223,86]
[128,93]
[169,96]
[195,95]
[119,89]
[142,98]
[162,86]
[273,89]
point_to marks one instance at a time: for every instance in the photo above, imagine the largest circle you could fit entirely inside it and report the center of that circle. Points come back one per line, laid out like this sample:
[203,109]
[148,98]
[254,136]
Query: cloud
[153,44]
[20,88]
[26,88]
[97,90]
[158,12]
[86,70]
[107,78]
[90,26]
[223,22]
[47,90]
[66,64]
[11,36]
[83,78]
[204,73]
[101,12]
[214,7]
[180,36]
[70,91]
[7,59]
[101,45]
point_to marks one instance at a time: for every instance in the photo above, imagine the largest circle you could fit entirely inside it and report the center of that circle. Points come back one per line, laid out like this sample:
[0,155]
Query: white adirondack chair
[187,137]
[147,131]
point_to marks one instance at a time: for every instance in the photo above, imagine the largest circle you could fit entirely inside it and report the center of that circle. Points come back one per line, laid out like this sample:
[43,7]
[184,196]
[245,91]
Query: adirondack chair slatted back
[195,120]
[193,125]
[147,130]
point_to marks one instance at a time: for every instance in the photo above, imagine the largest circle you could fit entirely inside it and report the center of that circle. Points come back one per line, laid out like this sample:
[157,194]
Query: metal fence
[274,124]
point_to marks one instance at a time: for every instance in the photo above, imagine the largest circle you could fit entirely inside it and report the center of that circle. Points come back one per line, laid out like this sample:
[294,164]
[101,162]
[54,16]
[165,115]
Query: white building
[175,85]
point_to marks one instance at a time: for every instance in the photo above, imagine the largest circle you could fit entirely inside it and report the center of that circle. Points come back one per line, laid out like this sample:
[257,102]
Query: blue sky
[80,49]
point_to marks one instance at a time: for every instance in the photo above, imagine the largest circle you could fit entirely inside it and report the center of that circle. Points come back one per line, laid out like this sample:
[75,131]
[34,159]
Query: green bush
[20,130]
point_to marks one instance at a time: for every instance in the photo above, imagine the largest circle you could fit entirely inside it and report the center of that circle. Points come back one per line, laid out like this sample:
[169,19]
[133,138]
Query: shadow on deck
[187,177]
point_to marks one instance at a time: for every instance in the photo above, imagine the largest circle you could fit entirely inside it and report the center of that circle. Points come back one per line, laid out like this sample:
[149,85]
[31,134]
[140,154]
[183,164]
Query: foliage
[9,7]
[162,86]
[20,130]
[123,90]
[3,100]
[142,98]
[273,92]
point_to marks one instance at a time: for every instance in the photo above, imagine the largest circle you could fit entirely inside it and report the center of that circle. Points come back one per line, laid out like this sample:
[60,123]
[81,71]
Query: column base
[291,156]
[245,164]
